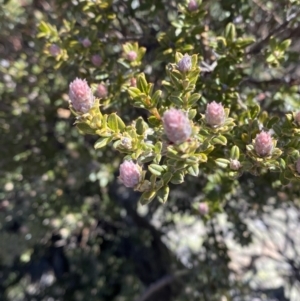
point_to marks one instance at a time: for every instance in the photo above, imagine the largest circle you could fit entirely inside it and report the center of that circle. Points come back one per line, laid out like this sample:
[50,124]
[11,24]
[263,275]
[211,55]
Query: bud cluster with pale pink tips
[96,60]
[185,64]
[131,56]
[235,164]
[130,173]
[81,95]
[86,42]
[54,50]
[203,208]
[263,144]
[133,82]
[101,91]
[192,5]
[176,126]
[215,114]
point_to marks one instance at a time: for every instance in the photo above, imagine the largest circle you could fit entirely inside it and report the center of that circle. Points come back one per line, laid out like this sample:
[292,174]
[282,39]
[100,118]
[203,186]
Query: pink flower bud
[130,173]
[96,60]
[203,208]
[263,144]
[177,126]
[185,64]
[193,5]
[133,82]
[235,164]
[101,91]
[297,118]
[215,114]
[86,42]
[81,95]
[131,56]
[54,50]
[298,166]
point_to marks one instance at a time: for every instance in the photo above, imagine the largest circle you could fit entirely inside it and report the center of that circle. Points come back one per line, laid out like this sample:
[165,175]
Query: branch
[265,9]
[159,284]
[271,82]
[257,46]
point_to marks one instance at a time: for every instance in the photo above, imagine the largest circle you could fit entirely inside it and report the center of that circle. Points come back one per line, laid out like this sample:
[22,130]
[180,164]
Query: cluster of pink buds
[215,114]
[203,208]
[133,82]
[96,60]
[54,50]
[263,144]
[130,173]
[192,5]
[101,91]
[81,95]
[86,42]
[176,126]
[185,64]
[235,164]
[131,56]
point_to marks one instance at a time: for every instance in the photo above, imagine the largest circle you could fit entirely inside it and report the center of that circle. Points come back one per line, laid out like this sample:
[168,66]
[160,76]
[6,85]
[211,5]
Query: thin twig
[257,46]
[158,285]
[265,9]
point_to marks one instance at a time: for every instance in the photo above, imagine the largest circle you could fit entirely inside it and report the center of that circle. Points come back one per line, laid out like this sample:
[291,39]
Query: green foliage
[65,216]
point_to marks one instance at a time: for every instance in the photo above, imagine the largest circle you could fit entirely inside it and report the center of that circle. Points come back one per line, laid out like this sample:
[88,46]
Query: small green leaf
[154,121]
[235,153]
[85,128]
[194,59]
[283,179]
[115,123]
[44,27]
[141,126]
[176,100]
[175,81]
[222,162]
[193,99]
[244,42]
[178,177]
[147,197]
[156,169]
[167,177]
[163,194]
[254,111]
[178,57]
[157,159]
[158,147]
[272,121]
[192,113]
[156,97]
[134,92]
[219,140]
[142,83]
[193,76]
[102,142]
[193,170]
[192,159]
[230,32]
[277,129]
[172,154]
[145,159]
[283,46]
[202,157]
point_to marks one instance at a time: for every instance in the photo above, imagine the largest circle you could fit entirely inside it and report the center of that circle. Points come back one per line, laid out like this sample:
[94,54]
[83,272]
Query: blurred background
[69,230]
